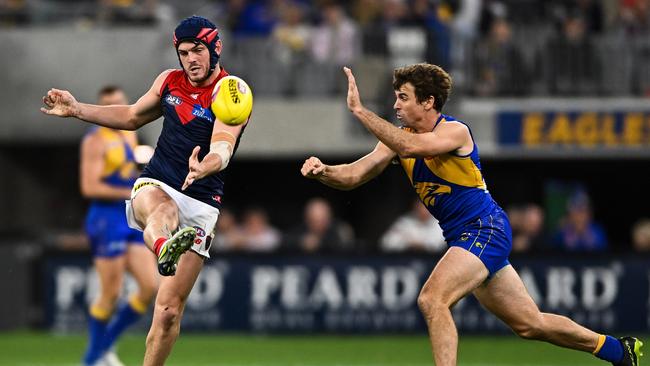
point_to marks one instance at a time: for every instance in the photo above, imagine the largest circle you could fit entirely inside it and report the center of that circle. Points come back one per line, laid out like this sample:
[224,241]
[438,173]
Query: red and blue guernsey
[188,122]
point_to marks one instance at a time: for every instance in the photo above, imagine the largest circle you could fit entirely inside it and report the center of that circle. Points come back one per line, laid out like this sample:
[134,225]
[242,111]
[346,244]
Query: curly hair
[428,80]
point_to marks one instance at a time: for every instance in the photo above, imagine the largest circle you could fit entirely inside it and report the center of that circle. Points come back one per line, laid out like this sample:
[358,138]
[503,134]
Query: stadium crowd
[503,48]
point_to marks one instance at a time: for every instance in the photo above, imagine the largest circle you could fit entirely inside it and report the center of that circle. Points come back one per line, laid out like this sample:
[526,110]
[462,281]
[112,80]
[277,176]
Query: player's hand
[354,100]
[197,170]
[60,103]
[312,168]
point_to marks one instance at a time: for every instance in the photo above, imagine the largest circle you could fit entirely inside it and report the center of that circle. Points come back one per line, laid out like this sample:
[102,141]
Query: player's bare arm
[447,137]
[62,103]
[222,145]
[349,176]
[91,167]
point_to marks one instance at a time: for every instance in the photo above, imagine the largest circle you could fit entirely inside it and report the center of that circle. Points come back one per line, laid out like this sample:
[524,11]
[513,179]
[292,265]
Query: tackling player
[440,158]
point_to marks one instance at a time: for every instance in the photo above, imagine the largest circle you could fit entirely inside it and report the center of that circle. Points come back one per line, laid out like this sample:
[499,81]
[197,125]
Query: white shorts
[191,212]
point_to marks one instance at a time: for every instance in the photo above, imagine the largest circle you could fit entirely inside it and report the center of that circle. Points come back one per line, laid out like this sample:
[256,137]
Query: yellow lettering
[632,128]
[608,133]
[560,130]
[586,129]
[531,132]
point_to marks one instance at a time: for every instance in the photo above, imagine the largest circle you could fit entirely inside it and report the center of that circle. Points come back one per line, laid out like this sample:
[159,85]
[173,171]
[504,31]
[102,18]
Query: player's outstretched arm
[222,145]
[448,137]
[349,176]
[62,103]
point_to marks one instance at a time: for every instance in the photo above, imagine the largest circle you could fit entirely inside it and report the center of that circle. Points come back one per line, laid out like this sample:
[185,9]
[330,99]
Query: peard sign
[365,295]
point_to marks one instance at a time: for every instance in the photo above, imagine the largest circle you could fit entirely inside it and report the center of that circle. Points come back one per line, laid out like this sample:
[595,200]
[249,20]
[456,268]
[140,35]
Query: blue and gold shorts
[489,238]
[108,231]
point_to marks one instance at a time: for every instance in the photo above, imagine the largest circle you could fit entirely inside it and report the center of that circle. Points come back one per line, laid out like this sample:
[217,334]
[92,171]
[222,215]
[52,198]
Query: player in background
[177,198]
[440,158]
[108,169]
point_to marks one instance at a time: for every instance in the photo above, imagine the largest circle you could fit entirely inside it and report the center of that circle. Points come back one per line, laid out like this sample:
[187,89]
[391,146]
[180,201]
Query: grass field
[29,348]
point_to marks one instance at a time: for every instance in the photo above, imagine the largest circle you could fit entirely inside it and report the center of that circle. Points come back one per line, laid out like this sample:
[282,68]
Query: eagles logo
[428,191]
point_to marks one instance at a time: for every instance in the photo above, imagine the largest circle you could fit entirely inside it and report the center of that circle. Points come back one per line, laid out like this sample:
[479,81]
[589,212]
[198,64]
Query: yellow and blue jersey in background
[452,188]
[106,224]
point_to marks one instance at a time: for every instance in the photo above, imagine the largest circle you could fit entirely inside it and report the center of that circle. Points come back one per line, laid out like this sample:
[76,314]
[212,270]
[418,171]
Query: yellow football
[232,100]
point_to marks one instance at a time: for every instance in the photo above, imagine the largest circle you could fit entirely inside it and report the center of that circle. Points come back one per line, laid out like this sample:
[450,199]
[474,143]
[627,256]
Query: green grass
[29,348]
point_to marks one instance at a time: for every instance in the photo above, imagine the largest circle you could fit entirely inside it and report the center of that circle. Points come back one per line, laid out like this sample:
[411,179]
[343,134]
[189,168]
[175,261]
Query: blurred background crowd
[294,49]
[493,47]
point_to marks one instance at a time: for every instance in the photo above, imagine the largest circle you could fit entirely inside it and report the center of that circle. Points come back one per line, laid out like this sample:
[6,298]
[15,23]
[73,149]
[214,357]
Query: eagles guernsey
[188,122]
[453,190]
[106,225]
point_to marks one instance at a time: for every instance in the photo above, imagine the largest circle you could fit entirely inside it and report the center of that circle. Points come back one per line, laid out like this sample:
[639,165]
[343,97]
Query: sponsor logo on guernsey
[173,100]
[203,113]
[194,96]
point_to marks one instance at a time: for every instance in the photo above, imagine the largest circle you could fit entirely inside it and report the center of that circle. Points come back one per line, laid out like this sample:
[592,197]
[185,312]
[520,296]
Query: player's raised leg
[157,213]
[506,297]
[458,273]
[168,311]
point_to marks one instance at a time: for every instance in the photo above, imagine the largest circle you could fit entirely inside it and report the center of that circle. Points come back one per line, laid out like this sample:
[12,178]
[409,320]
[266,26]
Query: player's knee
[530,329]
[168,316]
[429,303]
[168,208]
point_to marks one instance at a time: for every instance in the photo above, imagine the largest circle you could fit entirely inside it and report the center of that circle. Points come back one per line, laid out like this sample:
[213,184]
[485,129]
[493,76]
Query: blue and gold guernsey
[106,224]
[188,122]
[452,188]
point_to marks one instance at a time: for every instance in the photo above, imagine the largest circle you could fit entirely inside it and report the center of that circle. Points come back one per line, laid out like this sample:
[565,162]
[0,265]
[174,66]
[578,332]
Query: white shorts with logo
[191,212]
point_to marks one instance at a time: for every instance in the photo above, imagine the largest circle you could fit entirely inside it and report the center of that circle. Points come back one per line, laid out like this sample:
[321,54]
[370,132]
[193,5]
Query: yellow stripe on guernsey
[459,170]
[115,156]
[138,305]
[456,169]
[408,164]
[100,313]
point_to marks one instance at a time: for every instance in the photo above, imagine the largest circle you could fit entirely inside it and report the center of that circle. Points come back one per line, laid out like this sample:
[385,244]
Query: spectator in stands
[634,16]
[578,231]
[257,233]
[335,41]
[641,235]
[127,11]
[255,19]
[435,21]
[593,13]
[394,14]
[417,230]
[527,223]
[499,64]
[572,64]
[291,38]
[321,231]
[228,234]
[13,12]
[366,12]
